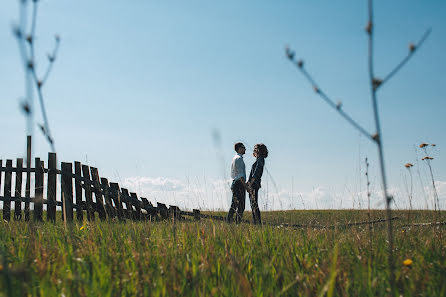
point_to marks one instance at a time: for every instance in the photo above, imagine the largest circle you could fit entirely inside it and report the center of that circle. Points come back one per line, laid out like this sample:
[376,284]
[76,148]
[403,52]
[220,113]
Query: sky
[155,94]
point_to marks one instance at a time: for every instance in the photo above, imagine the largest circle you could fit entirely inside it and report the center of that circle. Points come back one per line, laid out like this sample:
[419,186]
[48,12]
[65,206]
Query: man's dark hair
[261,149]
[238,145]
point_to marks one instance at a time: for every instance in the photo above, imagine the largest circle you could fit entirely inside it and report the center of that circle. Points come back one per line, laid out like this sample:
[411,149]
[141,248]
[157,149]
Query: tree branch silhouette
[375,83]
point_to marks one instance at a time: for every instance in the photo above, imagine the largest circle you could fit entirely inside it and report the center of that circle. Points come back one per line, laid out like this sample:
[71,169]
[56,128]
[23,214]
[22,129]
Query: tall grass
[209,258]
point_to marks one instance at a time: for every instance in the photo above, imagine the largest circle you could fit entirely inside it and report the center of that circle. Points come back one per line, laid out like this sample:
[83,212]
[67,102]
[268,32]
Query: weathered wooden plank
[18,190]
[67,191]
[38,200]
[78,191]
[98,193]
[197,215]
[51,189]
[28,177]
[175,212]
[162,210]
[116,195]
[88,193]
[111,213]
[137,204]
[128,204]
[7,192]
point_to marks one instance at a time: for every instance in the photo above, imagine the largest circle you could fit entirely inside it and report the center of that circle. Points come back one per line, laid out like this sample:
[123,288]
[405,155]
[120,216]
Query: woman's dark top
[257,171]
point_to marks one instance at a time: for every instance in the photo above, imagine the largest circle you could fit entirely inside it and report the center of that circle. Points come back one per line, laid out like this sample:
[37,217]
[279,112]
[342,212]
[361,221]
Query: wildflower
[423,145]
[1,267]
[82,228]
[407,262]
[408,165]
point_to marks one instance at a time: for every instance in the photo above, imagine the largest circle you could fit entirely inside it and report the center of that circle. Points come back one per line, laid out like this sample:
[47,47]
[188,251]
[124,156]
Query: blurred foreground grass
[212,258]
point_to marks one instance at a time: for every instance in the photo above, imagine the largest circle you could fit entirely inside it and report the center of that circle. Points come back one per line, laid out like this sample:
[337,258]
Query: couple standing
[240,185]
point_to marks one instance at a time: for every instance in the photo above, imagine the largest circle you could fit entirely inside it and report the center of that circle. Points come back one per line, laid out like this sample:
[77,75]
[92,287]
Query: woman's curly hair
[261,150]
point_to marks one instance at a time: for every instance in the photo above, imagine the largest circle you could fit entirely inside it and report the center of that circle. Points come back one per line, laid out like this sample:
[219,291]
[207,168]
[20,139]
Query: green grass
[212,258]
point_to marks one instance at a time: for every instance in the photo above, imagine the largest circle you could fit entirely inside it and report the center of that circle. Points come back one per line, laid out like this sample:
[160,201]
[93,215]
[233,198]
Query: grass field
[212,258]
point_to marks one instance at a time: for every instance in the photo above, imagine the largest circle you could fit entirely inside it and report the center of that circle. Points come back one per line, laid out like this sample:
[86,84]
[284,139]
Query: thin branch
[378,141]
[51,58]
[412,49]
[326,98]
[32,68]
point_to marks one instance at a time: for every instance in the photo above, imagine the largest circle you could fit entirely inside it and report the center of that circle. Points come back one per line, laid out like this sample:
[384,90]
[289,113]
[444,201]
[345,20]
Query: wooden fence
[82,193]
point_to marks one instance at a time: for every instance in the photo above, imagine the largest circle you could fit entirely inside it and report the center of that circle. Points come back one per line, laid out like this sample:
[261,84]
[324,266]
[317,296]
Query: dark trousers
[238,202]
[254,199]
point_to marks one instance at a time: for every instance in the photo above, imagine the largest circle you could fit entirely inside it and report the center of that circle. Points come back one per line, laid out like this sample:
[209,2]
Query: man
[238,187]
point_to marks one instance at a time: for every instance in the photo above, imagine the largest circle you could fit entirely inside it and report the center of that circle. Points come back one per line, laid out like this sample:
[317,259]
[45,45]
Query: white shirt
[238,170]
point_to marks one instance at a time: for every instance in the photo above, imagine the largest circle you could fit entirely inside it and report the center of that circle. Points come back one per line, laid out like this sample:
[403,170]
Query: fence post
[78,190]
[7,191]
[67,191]
[128,204]
[88,194]
[38,200]
[162,210]
[98,193]
[28,178]
[137,205]
[18,190]
[197,215]
[107,197]
[115,191]
[51,190]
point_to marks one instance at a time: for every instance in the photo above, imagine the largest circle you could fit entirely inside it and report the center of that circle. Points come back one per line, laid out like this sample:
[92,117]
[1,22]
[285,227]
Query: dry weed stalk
[33,82]
[409,193]
[428,160]
[375,84]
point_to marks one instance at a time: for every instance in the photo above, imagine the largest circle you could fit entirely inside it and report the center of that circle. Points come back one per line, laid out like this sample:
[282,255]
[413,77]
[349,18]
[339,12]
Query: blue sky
[140,88]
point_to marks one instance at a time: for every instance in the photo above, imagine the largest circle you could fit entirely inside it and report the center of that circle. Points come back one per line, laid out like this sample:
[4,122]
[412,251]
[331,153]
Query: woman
[255,177]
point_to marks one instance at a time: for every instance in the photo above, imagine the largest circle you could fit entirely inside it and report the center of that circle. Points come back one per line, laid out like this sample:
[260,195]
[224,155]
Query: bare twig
[412,49]
[29,60]
[378,141]
[375,83]
[325,97]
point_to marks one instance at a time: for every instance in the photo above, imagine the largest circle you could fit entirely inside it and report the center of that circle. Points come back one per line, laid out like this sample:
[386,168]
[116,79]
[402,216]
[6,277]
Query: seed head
[408,165]
[412,47]
[316,89]
[39,84]
[51,58]
[30,64]
[433,144]
[423,145]
[427,158]
[375,137]
[29,38]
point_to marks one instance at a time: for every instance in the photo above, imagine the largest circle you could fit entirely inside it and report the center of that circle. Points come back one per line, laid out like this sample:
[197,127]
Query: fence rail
[81,191]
